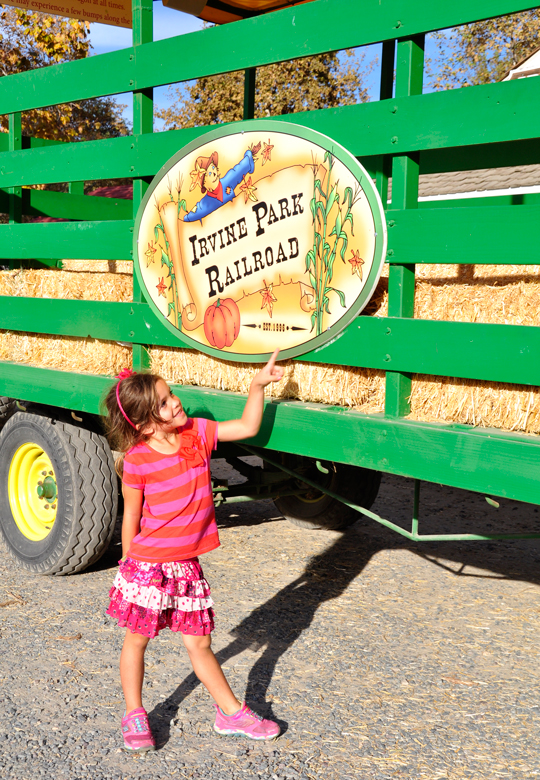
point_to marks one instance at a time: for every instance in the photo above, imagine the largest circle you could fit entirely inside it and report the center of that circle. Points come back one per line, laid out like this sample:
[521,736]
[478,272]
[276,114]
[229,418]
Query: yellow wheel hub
[32,491]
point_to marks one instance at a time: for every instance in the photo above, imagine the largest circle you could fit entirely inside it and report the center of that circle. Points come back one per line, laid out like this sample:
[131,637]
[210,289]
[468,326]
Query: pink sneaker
[136,732]
[246,723]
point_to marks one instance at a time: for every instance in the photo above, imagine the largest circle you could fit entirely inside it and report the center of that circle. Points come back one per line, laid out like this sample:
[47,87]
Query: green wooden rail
[495,113]
[327,25]
[403,134]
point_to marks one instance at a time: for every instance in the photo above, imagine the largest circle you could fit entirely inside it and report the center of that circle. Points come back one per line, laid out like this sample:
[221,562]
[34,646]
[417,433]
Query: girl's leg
[207,668]
[132,669]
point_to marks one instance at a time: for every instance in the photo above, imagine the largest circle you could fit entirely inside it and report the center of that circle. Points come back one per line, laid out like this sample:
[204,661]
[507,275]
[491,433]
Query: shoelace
[250,712]
[141,724]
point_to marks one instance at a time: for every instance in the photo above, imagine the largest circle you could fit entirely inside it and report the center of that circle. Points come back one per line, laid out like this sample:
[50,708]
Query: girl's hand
[250,422]
[270,373]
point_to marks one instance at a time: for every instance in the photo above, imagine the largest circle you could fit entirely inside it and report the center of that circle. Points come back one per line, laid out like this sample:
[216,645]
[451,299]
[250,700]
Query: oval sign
[270,237]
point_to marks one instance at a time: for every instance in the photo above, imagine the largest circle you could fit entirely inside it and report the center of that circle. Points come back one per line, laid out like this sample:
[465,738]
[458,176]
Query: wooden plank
[480,235]
[494,113]
[482,351]
[499,353]
[484,460]
[77,392]
[325,25]
[63,205]
[110,321]
[65,240]
[405,177]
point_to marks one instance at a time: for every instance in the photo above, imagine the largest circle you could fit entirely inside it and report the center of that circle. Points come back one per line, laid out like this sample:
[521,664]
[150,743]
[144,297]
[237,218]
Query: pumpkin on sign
[222,323]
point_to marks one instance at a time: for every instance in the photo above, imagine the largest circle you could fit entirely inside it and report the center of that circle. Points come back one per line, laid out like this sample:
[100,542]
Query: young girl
[168,522]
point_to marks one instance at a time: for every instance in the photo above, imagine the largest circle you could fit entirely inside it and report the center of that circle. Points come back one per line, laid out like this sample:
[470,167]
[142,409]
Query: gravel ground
[378,657]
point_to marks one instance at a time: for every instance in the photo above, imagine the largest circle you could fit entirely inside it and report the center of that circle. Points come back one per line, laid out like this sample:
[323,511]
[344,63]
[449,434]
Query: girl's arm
[131,523]
[250,422]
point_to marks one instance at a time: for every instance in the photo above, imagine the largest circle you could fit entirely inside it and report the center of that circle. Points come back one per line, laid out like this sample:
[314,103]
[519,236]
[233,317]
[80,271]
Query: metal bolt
[53,506]
[44,473]
[390,252]
[51,473]
[46,506]
[392,223]
[388,331]
[387,358]
[394,110]
[394,139]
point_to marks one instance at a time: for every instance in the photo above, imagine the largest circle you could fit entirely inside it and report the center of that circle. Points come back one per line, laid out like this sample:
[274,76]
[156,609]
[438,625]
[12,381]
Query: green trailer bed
[404,134]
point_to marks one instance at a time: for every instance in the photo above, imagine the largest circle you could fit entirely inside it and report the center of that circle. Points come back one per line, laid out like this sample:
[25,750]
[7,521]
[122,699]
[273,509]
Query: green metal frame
[403,134]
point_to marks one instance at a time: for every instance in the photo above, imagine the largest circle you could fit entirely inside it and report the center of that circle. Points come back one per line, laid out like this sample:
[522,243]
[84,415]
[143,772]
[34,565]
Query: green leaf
[312,208]
[313,319]
[338,225]
[164,258]
[340,293]
[171,308]
[310,259]
[313,281]
[348,196]
[332,199]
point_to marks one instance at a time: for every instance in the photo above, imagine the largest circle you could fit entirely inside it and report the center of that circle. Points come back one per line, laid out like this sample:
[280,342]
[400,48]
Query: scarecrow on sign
[217,189]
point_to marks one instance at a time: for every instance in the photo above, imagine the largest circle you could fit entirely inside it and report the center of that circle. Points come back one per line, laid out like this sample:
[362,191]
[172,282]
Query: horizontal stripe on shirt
[178,519]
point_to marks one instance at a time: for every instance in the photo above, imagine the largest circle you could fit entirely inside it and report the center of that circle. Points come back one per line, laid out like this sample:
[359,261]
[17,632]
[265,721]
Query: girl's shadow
[278,623]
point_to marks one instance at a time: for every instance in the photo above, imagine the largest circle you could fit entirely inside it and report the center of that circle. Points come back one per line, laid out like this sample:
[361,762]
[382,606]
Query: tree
[283,88]
[35,40]
[483,52]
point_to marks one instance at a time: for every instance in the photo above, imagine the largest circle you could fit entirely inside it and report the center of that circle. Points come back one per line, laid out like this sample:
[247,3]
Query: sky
[167,24]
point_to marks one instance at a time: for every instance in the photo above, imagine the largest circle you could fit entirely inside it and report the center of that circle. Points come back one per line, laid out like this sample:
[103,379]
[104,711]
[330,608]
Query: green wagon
[58,487]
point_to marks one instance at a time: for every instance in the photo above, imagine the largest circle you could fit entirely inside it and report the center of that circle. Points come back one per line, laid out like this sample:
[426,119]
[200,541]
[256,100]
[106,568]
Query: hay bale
[495,294]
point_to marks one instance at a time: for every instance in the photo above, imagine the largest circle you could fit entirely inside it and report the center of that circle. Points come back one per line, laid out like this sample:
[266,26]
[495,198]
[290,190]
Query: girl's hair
[139,399]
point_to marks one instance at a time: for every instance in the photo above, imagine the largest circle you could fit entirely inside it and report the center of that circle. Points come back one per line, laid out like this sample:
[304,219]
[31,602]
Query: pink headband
[124,375]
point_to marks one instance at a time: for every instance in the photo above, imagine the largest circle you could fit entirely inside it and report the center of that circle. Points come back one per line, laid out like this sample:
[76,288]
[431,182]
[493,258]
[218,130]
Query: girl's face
[169,408]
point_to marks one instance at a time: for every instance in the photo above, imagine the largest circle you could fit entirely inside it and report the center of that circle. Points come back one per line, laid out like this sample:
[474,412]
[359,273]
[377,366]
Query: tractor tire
[58,494]
[7,409]
[315,509]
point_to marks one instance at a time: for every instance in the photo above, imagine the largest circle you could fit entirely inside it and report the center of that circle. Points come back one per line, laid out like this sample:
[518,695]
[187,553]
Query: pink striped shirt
[178,520]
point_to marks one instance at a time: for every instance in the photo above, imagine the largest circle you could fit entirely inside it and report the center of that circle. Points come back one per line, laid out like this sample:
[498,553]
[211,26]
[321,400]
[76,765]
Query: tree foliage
[35,40]
[483,52]
[284,88]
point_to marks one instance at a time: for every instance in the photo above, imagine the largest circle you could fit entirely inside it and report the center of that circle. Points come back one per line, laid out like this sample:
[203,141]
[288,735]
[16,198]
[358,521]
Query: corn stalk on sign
[273,236]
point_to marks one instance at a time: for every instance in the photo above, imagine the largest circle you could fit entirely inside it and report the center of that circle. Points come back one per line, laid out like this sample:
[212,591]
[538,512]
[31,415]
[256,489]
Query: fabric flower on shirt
[191,448]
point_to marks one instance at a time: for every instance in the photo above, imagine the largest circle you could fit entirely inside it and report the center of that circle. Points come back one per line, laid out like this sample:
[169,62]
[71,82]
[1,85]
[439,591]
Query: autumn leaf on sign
[267,152]
[249,190]
[150,252]
[357,263]
[268,297]
[197,175]
[161,287]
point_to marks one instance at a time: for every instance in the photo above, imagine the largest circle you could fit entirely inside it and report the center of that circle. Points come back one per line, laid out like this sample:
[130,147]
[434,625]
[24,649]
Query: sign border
[344,156]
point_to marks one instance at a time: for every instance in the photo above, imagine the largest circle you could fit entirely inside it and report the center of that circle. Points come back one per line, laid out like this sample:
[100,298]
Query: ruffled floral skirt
[146,597]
